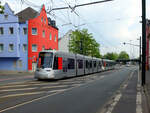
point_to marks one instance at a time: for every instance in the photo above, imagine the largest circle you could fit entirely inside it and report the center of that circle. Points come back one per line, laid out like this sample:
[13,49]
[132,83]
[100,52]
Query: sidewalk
[147,90]
[2,73]
[14,74]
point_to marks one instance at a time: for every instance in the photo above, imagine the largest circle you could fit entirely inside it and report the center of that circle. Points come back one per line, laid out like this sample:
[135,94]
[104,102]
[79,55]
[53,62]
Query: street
[85,94]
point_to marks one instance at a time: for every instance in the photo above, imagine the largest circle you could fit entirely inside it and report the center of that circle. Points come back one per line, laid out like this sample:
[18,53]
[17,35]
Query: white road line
[10,90]
[24,85]
[24,94]
[118,96]
[13,86]
[48,87]
[115,101]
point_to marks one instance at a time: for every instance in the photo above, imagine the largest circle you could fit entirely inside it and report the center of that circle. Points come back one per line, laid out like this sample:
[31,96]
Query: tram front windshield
[45,60]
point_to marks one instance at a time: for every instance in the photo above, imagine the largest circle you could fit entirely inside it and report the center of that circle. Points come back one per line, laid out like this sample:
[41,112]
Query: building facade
[41,36]
[42,33]
[23,36]
[63,42]
[12,56]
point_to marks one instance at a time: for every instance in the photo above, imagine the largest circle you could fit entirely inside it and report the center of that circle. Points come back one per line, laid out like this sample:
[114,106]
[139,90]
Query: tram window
[94,62]
[100,64]
[90,64]
[55,66]
[70,63]
[87,64]
[80,64]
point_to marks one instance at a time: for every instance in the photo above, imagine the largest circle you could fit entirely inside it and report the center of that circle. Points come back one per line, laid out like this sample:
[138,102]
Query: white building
[63,42]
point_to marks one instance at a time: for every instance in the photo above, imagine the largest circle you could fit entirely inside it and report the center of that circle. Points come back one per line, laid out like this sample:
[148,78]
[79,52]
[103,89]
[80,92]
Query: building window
[11,47]
[55,38]
[43,33]
[34,31]
[34,48]
[43,48]
[50,36]
[42,19]
[45,21]
[1,31]
[6,16]
[20,63]
[24,31]
[24,47]
[11,30]
[1,47]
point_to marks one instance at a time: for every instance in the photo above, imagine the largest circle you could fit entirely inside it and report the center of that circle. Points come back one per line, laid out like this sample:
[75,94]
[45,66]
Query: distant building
[147,44]
[13,42]
[23,36]
[63,42]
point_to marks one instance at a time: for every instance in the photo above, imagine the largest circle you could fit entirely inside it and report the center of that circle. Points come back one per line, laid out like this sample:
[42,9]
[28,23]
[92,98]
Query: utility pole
[140,53]
[143,42]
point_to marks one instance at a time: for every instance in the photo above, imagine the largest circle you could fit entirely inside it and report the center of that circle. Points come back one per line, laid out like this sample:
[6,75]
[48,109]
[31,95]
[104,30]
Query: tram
[56,65]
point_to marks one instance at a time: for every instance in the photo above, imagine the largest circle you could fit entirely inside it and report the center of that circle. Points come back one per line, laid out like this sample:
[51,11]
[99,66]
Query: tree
[123,55]
[1,9]
[111,56]
[82,42]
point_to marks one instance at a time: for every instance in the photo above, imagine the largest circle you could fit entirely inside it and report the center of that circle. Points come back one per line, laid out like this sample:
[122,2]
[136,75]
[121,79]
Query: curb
[145,92]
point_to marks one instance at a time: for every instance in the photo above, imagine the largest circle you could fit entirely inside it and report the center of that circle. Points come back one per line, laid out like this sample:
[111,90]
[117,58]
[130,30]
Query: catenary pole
[143,42]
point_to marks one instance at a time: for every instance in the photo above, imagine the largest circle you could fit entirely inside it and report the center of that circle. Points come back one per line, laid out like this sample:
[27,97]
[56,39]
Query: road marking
[54,86]
[28,84]
[18,105]
[60,90]
[13,86]
[10,90]
[139,96]
[13,83]
[111,105]
[24,94]
[43,97]
[115,101]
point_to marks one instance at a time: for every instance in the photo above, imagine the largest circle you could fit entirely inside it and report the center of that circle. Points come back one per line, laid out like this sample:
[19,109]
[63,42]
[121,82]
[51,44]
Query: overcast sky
[111,23]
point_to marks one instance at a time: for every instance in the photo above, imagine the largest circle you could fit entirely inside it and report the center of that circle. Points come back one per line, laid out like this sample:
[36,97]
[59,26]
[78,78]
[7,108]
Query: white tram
[56,65]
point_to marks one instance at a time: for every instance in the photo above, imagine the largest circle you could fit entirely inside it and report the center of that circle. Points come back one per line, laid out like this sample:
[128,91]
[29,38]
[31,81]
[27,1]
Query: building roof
[7,9]
[27,14]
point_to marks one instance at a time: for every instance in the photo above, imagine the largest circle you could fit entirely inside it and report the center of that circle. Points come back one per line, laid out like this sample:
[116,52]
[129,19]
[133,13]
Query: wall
[63,43]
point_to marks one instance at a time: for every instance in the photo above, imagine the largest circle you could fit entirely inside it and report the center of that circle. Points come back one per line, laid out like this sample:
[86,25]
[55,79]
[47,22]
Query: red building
[42,34]
[147,44]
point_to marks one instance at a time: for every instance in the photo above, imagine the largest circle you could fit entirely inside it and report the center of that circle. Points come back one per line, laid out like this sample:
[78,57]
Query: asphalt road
[85,94]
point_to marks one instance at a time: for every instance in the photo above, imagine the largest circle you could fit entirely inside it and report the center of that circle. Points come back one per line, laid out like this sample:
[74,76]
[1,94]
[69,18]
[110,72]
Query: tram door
[65,65]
